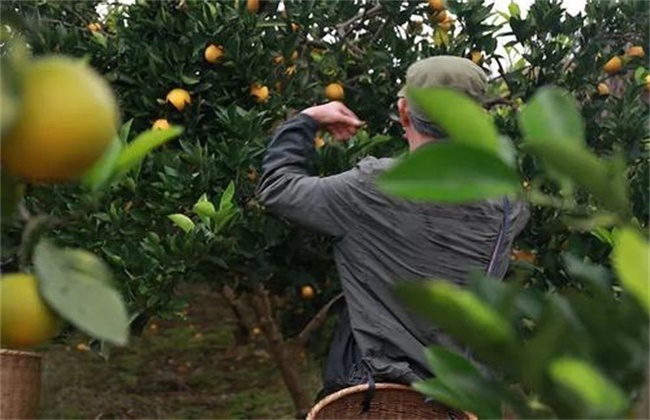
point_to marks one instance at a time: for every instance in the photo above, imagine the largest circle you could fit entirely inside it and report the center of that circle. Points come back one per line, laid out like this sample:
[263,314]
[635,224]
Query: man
[383,239]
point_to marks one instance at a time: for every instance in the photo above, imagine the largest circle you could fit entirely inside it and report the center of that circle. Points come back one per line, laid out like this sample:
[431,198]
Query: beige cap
[446,71]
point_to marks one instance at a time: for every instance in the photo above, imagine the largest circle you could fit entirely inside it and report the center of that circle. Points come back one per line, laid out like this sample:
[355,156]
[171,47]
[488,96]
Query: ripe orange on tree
[179,98]
[334,92]
[437,5]
[526,256]
[213,53]
[261,93]
[603,89]
[160,124]
[67,117]
[440,16]
[253,6]
[25,318]
[307,292]
[94,27]
[476,56]
[635,51]
[613,66]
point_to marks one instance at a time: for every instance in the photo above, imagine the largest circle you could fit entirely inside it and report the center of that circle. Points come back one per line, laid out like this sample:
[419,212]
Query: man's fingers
[345,114]
[349,120]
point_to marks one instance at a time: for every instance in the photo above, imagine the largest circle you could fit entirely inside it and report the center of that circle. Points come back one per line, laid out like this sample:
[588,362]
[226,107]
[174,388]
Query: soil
[187,369]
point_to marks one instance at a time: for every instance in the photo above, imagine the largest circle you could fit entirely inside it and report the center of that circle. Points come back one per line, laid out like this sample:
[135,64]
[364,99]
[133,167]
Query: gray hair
[426,128]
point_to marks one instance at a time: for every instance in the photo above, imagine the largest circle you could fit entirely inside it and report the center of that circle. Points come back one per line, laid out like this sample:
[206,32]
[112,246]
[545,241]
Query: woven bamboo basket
[390,401]
[20,384]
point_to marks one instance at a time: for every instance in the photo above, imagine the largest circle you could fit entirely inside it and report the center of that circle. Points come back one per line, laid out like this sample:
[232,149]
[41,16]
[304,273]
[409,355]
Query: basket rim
[21,353]
[362,387]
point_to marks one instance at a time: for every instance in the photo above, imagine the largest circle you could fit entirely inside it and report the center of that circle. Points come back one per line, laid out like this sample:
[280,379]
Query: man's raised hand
[336,118]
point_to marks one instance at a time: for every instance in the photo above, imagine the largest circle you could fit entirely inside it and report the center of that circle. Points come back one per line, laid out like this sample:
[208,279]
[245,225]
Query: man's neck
[419,141]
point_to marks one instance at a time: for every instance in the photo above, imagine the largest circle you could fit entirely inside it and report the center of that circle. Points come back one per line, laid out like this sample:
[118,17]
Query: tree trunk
[284,353]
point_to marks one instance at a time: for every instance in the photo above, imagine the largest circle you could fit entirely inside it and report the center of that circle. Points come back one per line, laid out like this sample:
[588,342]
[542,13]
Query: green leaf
[514,9]
[445,362]
[100,39]
[205,209]
[102,171]
[125,130]
[593,275]
[437,390]
[227,196]
[182,221]
[631,257]
[600,396]
[190,80]
[460,116]
[463,392]
[463,316]
[75,286]
[136,150]
[585,169]
[552,114]
[639,75]
[451,173]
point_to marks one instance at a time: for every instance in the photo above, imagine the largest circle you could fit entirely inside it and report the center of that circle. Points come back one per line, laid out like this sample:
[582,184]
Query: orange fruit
[260,92]
[476,56]
[440,16]
[437,5]
[67,117]
[213,53]
[94,27]
[253,6]
[319,142]
[26,320]
[160,124]
[635,51]
[179,98]
[307,292]
[603,89]
[613,66]
[526,256]
[334,92]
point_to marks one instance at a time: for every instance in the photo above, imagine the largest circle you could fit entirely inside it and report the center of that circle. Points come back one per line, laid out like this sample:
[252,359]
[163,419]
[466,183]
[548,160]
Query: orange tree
[243,67]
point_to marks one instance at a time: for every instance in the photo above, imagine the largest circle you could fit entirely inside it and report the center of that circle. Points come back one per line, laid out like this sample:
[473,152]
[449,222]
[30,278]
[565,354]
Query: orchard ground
[188,368]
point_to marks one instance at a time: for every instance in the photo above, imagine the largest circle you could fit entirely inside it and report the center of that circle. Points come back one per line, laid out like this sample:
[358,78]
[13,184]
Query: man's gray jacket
[380,240]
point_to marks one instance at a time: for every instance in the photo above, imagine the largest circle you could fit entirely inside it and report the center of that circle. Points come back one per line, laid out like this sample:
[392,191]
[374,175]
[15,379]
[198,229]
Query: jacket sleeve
[289,188]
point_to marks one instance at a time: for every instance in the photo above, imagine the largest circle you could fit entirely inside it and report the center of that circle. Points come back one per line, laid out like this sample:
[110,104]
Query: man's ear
[402,109]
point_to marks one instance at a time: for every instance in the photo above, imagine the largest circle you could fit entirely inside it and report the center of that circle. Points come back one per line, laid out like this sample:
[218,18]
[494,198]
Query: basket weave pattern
[390,401]
[20,384]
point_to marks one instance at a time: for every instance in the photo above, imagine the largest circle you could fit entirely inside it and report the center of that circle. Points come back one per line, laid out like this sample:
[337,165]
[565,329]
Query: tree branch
[280,351]
[502,73]
[317,321]
[344,28]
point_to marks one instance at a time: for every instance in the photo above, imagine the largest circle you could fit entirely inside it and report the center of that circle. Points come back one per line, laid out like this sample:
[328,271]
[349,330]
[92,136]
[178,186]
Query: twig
[24,212]
[317,321]
[379,31]
[345,28]
[502,72]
